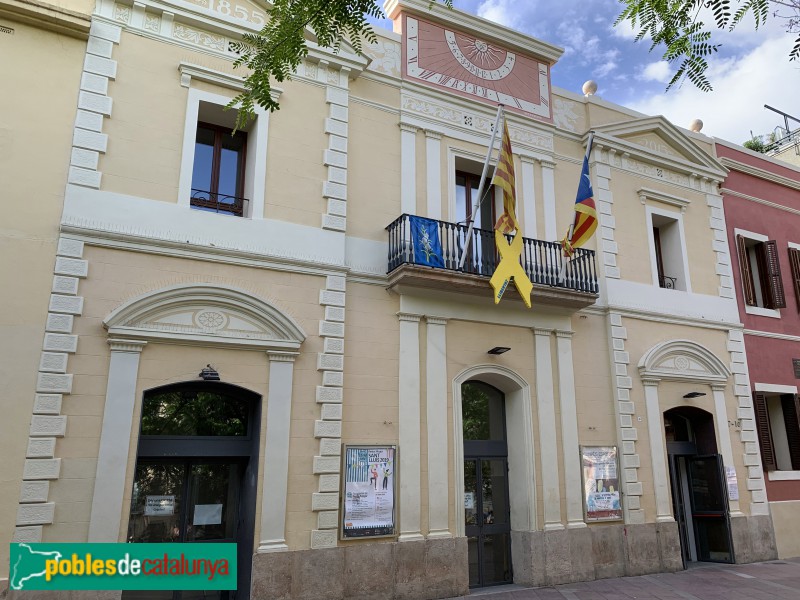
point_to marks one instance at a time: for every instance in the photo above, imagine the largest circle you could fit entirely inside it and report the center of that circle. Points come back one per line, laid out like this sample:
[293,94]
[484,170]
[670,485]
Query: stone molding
[47,422]
[126,345]
[682,360]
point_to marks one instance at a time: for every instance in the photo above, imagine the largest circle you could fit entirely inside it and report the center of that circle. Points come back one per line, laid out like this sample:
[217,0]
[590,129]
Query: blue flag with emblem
[425,242]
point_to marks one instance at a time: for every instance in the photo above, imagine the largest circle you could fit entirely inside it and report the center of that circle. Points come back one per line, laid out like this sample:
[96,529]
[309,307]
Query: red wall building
[761,198]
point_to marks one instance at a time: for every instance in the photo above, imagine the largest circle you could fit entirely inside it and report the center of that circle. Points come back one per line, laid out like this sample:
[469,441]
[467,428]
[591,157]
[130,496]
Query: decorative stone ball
[696,125]
[589,88]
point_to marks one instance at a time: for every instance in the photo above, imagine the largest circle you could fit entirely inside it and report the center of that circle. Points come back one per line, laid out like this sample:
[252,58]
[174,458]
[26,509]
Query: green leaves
[678,26]
[275,52]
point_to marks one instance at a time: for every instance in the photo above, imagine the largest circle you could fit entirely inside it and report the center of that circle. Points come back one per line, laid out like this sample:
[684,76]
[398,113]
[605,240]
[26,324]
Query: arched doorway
[487,508]
[196,473]
[698,486]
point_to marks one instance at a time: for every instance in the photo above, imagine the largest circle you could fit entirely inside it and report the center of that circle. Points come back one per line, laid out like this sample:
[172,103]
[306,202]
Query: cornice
[148,245]
[47,16]
[648,194]
[729,192]
[774,336]
[481,28]
[735,165]
[191,71]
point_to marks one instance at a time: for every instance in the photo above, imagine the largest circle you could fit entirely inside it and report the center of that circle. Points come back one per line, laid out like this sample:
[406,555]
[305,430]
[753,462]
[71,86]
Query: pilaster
[409,429]
[548,443]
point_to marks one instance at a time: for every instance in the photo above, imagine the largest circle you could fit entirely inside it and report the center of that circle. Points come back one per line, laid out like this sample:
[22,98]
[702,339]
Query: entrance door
[192,501]
[708,493]
[487,511]
[195,479]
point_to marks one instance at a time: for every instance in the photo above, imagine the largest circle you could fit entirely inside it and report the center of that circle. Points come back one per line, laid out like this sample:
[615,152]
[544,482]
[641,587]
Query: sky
[751,69]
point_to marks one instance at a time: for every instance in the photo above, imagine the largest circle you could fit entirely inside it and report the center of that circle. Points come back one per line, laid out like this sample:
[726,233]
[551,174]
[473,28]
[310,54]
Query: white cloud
[741,88]
[657,71]
[498,11]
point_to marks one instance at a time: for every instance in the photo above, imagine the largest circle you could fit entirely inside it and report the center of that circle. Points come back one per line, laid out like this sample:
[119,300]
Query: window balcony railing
[668,283]
[542,261]
[219,203]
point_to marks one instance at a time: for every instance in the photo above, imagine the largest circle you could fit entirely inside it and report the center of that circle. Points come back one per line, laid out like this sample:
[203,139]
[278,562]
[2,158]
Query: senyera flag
[585,222]
[505,180]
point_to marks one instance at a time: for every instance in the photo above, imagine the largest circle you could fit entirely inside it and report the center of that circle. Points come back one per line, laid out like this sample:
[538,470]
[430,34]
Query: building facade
[762,197]
[230,312]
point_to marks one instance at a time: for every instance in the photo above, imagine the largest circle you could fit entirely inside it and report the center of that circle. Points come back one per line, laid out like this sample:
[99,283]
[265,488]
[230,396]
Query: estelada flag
[504,179]
[585,210]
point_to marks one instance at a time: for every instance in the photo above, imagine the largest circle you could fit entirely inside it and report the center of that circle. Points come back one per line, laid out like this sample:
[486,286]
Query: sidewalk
[779,579]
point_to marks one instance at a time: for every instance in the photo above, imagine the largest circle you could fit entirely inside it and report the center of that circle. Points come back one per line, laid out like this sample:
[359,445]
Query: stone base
[423,570]
[546,558]
[753,539]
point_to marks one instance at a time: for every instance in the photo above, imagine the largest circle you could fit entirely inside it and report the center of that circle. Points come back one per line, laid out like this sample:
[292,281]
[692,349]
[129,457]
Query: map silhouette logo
[29,564]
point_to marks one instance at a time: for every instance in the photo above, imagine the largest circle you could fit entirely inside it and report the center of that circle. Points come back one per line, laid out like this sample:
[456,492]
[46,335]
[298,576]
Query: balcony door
[487,511]
[481,258]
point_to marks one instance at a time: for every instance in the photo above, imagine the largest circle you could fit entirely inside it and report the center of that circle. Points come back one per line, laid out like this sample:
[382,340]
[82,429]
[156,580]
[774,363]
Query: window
[467,196]
[667,251]
[794,262]
[761,272]
[778,425]
[218,170]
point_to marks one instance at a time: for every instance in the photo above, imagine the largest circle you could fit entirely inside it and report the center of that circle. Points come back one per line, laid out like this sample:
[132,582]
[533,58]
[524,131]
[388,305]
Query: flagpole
[500,112]
[563,273]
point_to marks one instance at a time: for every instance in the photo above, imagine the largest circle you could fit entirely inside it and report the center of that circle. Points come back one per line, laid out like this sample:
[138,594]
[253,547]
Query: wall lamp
[209,373]
[694,394]
[499,350]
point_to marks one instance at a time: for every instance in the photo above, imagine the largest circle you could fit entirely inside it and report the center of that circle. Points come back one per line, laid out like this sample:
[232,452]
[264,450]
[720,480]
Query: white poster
[368,491]
[601,483]
[733,483]
[159,506]
[207,514]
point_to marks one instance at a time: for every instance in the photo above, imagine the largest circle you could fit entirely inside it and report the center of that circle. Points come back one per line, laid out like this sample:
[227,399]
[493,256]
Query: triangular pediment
[655,139]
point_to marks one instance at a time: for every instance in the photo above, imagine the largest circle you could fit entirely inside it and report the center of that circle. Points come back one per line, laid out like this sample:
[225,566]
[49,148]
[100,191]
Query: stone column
[658,451]
[569,431]
[112,458]
[438,498]
[409,429]
[528,192]
[276,452]
[433,155]
[408,169]
[549,192]
[548,446]
[724,436]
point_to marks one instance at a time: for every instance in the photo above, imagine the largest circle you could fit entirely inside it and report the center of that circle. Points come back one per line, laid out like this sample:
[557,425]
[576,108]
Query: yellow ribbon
[509,268]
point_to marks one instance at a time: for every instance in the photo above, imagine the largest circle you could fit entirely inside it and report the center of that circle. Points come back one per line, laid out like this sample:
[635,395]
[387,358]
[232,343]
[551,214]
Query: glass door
[487,521]
[709,503]
[190,500]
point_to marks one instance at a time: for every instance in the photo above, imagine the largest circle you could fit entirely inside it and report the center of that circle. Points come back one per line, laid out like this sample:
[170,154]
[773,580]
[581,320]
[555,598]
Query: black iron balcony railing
[668,283]
[220,203]
[542,261]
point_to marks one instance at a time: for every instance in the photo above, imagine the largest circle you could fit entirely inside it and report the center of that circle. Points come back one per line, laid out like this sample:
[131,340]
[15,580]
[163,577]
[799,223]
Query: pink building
[762,211]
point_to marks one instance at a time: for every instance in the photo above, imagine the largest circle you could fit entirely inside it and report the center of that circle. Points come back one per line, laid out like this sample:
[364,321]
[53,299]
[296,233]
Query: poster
[369,491]
[733,483]
[601,483]
[159,506]
[207,514]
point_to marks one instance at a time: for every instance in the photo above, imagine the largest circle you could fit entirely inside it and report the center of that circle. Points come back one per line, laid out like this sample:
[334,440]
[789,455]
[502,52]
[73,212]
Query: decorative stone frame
[201,315]
[688,361]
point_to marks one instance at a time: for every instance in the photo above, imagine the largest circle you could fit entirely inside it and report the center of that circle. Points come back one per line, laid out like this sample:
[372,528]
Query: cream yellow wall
[593,381]
[631,231]
[373,174]
[642,336]
[146,131]
[35,141]
[787,527]
[116,276]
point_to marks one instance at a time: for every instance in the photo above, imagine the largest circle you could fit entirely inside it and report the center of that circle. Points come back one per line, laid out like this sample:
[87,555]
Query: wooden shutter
[746,273]
[791,416]
[772,281]
[764,434]
[794,261]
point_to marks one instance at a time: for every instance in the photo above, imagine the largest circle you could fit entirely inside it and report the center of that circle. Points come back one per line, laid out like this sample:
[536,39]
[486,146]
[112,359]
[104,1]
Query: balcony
[542,262]
[218,203]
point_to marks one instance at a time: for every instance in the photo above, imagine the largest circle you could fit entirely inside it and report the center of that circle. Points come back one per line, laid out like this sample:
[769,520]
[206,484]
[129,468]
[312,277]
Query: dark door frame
[245,448]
